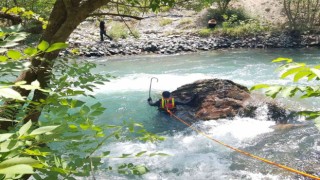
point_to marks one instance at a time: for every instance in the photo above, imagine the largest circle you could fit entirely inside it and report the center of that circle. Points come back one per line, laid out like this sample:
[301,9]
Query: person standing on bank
[103,31]
[168,103]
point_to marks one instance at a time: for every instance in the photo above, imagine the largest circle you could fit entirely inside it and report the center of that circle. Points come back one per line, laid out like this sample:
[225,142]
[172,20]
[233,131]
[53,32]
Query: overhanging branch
[114,14]
[13,18]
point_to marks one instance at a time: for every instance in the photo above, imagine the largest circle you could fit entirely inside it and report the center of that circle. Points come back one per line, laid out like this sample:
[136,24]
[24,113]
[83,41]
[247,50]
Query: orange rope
[246,153]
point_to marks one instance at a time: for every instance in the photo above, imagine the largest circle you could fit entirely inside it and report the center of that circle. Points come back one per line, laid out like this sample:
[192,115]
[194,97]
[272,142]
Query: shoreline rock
[153,43]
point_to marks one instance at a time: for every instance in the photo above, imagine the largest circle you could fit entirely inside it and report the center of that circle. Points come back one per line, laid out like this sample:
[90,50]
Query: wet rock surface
[218,98]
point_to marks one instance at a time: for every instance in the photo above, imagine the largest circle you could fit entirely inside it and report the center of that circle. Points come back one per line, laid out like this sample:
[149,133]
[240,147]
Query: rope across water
[244,152]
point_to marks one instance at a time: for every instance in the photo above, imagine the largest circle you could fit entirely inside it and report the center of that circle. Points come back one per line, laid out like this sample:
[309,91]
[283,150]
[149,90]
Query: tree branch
[13,18]
[114,14]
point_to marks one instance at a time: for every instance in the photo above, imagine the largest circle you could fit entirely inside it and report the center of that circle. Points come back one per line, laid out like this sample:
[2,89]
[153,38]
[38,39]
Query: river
[193,156]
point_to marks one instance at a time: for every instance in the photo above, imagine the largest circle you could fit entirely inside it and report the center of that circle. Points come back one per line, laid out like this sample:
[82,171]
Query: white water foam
[192,156]
[141,82]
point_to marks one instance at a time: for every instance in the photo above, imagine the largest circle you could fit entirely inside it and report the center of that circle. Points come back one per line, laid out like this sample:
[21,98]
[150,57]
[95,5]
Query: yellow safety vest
[167,103]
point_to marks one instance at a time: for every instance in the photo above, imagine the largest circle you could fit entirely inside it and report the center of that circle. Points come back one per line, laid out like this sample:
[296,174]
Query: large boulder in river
[217,98]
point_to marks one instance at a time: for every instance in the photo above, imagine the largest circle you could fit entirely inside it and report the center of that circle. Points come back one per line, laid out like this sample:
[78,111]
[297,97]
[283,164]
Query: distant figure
[212,23]
[103,31]
[168,103]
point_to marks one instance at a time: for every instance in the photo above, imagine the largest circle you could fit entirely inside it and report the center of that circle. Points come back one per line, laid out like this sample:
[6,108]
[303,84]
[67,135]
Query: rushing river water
[193,156]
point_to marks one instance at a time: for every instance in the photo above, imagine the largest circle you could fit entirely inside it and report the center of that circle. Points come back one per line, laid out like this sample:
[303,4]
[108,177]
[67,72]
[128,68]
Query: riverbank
[179,36]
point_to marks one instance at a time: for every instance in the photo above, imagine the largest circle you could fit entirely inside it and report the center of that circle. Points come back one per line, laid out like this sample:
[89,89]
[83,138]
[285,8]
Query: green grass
[247,28]
[205,32]
[165,21]
[185,21]
[118,30]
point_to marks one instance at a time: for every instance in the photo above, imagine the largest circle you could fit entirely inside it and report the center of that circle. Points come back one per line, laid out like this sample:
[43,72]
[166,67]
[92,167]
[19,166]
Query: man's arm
[157,103]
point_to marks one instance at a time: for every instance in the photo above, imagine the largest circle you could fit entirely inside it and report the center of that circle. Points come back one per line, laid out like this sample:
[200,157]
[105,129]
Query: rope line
[246,153]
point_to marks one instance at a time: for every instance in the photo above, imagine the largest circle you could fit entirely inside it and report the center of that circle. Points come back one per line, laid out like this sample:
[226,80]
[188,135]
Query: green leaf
[139,170]
[43,130]
[17,37]
[57,46]
[259,86]
[13,54]
[85,110]
[96,113]
[8,44]
[96,106]
[106,153]
[273,91]
[125,155]
[301,74]
[280,59]
[10,145]
[288,91]
[3,58]
[34,85]
[316,72]
[11,29]
[72,126]
[23,130]
[5,136]
[158,154]
[122,166]
[140,153]
[84,126]
[10,93]
[30,51]
[17,169]
[43,46]
[291,71]
[18,160]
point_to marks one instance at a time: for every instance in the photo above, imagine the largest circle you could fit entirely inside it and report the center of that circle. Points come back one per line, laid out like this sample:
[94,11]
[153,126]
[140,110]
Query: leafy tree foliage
[302,14]
[41,108]
[66,122]
[298,71]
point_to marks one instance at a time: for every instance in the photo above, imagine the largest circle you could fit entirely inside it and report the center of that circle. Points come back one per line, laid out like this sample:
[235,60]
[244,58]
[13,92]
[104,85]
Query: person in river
[103,31]
[167,102]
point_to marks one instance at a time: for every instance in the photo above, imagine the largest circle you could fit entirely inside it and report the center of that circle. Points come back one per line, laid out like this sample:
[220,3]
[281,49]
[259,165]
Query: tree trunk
[64,18]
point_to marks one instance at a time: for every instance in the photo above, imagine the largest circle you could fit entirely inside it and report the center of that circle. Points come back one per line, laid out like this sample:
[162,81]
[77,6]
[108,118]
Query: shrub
[234,27]
[213,13]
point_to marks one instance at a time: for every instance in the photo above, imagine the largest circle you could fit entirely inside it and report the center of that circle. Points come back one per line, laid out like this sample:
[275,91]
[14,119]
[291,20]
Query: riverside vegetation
[41,109]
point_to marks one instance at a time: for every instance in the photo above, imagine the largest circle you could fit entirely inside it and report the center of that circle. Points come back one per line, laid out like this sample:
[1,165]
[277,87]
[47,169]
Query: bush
[242,28]
[165,21]
[118,30]
[215,14]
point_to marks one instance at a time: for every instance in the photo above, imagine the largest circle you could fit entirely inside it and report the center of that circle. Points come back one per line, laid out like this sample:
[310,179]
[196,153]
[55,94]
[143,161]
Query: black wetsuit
[158,103]
[103,31]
